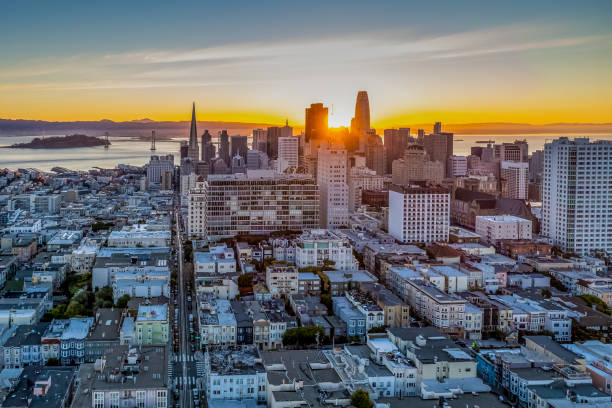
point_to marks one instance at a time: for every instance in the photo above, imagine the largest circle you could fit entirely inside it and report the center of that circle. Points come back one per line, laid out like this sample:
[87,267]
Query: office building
[439,145]
[514,178]
[396,141]
[224,147]
[193,150]
[419,214]
[316,126]
[517,151]
[208,148]
[158,165]
[536,166]
[288,153]
[576,190]
[493,228]
[334,194]
[274,133]
[375,154]
[360,123]
[260,140]
[255,202]
[415,166]
[456,166]
[256,160]
[238,146]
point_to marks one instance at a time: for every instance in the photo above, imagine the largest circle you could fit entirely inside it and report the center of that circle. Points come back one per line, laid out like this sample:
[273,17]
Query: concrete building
[334,192]
[125,377]
[138,235]
[152,325]
[218,260]
[360,179]
[419,214]
[496,227]
[288,153]
[275,202]
[316,246]
[456,166]
[514,179]
[282,281]
[415,166]
[577,172]
[157,166]
[516,152]
[439,145]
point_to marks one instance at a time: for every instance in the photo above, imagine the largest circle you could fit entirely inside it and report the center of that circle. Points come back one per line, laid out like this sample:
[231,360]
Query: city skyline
[531,64]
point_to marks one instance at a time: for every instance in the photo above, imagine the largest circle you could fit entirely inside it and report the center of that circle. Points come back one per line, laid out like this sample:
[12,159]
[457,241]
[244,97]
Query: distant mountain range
[168,129]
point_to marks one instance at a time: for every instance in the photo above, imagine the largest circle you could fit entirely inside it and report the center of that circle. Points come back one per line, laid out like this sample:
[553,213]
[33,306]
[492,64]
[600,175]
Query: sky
[263,61]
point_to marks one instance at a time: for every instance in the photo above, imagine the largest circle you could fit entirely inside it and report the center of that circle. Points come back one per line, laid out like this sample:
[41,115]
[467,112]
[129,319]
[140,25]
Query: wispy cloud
[256,61]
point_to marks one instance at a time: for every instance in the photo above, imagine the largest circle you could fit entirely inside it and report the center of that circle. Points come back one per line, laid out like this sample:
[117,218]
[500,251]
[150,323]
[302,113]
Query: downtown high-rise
[576,195]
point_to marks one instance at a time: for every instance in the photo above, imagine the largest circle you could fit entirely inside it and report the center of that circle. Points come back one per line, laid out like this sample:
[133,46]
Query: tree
[104,298]
[53,361]
[245,280]
[123,301]
[361,399]
[304,336]
[546,293]
[378,329]
[326,299]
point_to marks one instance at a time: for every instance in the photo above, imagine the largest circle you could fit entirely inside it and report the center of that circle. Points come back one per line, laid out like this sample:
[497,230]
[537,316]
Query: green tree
[123,301]
[378,329]
[361,399]
[304,336]
[104,298]
[326,299]
[245,280]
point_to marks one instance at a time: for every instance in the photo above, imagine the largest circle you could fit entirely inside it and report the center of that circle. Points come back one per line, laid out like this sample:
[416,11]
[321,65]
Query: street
[185,368]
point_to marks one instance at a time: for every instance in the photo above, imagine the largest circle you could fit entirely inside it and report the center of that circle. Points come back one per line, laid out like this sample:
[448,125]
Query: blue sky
[270,58]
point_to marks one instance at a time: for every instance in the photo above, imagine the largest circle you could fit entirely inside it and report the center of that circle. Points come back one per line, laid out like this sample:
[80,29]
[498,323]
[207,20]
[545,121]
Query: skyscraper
[316,125]
[208,148]
[517,151]
[396,141]
[224,147]
[514,177]
[239,146]
[274,132]
[439,145]
[260,140]
[360,124]
[375,154]
[193,151]
[576,192]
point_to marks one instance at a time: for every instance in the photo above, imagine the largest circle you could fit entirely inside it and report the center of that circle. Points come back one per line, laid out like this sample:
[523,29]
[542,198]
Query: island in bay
[61,142]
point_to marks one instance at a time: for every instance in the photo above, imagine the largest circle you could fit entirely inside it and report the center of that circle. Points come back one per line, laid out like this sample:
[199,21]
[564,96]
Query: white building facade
[575,193]
[419,214]
[334,191]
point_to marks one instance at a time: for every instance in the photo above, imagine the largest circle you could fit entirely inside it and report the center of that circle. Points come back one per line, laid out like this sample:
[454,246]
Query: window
[114,399]
[140,399]
[162,399]
[98,400]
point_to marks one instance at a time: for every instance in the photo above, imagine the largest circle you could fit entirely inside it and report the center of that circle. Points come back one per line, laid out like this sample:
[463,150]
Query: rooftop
[152,313]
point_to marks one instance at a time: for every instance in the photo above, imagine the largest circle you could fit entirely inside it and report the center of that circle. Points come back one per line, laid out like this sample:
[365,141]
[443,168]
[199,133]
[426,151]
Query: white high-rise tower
[576,194]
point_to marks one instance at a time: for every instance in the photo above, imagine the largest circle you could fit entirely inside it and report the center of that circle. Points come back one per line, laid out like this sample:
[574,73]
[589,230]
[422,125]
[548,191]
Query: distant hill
[136,128]
[61,142]
[167,129]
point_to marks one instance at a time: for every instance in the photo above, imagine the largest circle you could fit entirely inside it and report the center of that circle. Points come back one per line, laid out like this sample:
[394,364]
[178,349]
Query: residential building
[354,318]
[361,178]
[309,284]
[23,346]
[219,209]
[315,247]
[139,235]
[575,188]
[105,334]
[496,227]
[288,153]
[342,281]
[152,325]
[126,377]
[514,177]
[218,260]
[282,281]
[72,340]
[419,214]
[334,194]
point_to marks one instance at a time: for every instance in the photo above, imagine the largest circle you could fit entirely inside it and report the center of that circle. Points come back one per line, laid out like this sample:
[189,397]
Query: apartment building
[282,281]
[419,214]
